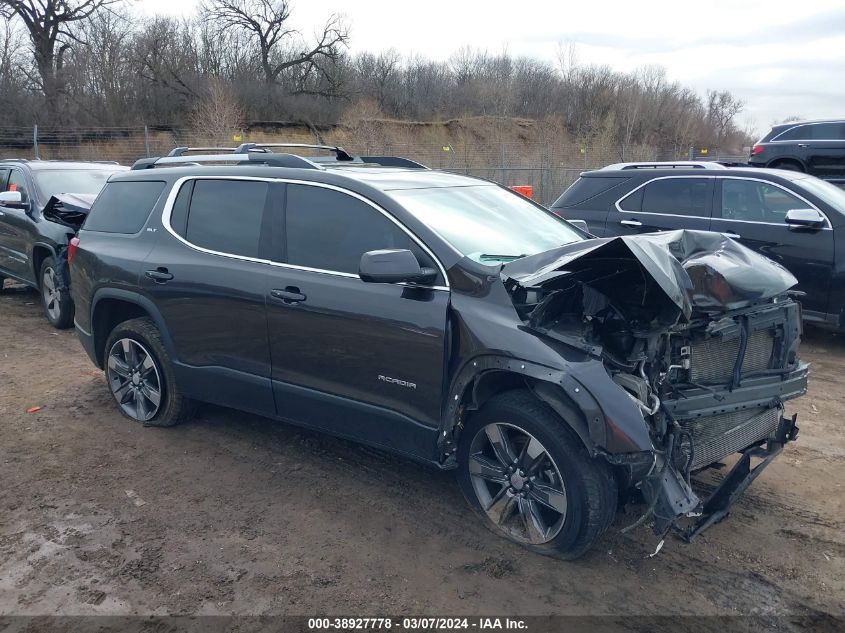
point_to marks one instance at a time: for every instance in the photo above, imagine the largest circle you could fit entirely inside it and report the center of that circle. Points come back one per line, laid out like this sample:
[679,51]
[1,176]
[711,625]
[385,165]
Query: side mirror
[12,199]
[804,217]
[394,266]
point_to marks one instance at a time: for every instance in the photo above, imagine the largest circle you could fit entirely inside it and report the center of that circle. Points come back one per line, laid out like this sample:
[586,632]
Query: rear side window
[330,230]
[671,196]
[227,215]
[814,132]
[123,207]
[586,188]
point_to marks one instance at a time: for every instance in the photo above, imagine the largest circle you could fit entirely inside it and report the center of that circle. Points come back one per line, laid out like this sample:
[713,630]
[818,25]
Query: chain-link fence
[549,166]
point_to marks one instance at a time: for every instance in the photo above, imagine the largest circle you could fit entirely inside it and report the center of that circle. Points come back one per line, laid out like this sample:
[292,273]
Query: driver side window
[330,230]
[754,201]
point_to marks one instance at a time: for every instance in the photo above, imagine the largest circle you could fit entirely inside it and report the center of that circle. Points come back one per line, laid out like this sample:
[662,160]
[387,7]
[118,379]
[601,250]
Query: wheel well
[491,383]
[782,161]
[39,254]
[108,313]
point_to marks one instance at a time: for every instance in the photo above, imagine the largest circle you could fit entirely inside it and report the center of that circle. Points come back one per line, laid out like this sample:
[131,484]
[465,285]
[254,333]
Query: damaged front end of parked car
[692,345]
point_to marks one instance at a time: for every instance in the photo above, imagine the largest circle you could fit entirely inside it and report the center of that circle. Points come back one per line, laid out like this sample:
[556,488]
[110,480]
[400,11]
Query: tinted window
[753,201]
[226,216]
[676,196]
[330,230]
[633,202]
[17,182]
[794,134]
[826,131]
[585,188]
[123,207]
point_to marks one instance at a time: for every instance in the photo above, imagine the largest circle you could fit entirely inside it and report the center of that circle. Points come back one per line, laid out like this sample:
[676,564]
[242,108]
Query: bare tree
[50,25]
[219,115]
[280,49]
[722,107]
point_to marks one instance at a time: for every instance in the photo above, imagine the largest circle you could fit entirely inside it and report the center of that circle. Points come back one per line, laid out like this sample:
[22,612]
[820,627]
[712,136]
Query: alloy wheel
[51,294]
[134,379]
[517,483]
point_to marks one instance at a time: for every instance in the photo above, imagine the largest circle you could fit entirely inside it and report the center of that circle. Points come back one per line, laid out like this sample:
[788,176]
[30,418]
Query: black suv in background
[793,218]
[34,226]
[447,319]
[813,147]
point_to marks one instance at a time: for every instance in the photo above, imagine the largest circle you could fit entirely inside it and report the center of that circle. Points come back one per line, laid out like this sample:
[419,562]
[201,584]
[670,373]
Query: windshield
[54,181]
[487,223]
[831,194]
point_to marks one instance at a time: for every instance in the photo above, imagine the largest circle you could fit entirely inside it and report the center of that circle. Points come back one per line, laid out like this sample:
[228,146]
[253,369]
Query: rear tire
[547,494]
[56,301]
[139,374]
[789,165]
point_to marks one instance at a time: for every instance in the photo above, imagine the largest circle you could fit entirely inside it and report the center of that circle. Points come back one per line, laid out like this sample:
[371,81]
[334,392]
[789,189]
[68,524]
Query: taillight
[757,149]
[71,249]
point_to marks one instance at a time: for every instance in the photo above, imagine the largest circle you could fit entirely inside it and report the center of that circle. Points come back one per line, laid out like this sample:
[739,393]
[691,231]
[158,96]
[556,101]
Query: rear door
[362,360]
[207,276]
[752,212]
[663,204]
[825,149]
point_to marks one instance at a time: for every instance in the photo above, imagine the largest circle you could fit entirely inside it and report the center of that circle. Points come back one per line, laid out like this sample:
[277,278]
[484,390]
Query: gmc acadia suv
[447,319]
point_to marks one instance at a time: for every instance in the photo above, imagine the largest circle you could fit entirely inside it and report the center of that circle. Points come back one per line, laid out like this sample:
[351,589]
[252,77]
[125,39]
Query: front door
[358,359]
[664,204]
[753,213]
[16,230]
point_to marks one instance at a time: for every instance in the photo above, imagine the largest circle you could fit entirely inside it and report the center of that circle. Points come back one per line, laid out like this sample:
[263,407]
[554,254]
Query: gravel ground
[237,514]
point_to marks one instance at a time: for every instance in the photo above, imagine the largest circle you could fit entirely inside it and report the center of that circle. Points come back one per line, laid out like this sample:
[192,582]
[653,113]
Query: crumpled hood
[673,271]
[69,209]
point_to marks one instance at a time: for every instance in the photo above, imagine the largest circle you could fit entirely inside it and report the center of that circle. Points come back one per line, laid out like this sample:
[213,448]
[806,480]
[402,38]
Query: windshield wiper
[501,258]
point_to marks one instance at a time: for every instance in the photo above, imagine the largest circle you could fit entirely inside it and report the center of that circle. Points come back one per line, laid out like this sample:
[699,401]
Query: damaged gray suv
[447,319]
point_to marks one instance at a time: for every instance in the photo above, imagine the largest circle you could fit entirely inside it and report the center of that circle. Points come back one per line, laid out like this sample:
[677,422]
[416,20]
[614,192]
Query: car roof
[382,178]
[805,122]
[650,173]
[44,165]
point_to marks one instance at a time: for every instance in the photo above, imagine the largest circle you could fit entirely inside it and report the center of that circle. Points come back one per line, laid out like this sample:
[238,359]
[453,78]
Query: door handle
[159,275]
[804,145]
[732,235]
[631,222]
[290,295]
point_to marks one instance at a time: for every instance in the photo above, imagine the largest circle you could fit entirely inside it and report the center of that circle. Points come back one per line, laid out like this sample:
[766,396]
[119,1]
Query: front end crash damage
[68,210]
[695,330]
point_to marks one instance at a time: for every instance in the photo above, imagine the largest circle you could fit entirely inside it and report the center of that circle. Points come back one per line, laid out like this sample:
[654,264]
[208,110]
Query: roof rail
[181,151]
[261,158]
[340,153]
[14,160]
[689,164]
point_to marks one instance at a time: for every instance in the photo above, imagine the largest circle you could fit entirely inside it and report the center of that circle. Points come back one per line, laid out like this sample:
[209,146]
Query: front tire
[55,299]
[531,479]
[140,376]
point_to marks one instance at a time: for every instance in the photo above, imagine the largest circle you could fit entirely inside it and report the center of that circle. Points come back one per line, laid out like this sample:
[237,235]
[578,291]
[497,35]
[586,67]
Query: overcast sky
[781,57]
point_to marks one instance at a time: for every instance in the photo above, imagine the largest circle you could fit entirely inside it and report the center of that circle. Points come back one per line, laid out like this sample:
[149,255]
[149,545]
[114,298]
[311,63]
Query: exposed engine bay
[698,331]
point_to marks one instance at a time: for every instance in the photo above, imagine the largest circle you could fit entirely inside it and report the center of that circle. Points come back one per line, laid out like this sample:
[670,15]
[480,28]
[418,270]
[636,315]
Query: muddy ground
[237,514]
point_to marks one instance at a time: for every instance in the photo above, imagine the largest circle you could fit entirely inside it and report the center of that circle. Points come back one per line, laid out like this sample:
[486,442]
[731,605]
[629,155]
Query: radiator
[713,360]
[717,436]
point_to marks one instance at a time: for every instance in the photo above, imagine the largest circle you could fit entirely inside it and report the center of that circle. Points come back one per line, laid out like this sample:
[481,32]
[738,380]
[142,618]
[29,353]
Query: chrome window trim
[808,140]
[174,191]
[647,182]
[809,204]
